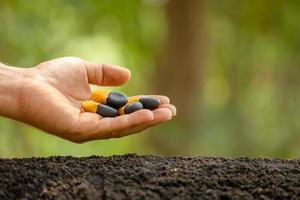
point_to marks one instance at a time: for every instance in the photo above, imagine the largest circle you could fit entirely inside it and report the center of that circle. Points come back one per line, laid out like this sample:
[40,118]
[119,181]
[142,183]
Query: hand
[50,97]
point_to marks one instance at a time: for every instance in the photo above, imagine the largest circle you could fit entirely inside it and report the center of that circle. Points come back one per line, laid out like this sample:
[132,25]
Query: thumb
[106,74]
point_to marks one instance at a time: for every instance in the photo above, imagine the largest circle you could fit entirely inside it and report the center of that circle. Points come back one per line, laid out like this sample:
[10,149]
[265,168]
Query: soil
[149,177]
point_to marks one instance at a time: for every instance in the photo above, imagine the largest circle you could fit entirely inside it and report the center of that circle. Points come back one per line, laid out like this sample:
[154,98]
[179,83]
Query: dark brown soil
[149,177]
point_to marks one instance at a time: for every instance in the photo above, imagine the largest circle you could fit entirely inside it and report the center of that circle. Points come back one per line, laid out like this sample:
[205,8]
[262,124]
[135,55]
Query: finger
[171,107]
[163,99]
[108,127]
[160,115]
[106,74]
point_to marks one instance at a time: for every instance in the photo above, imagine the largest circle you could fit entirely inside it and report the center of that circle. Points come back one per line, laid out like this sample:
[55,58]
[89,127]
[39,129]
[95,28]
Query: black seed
[107,111]
[130,108]
[116,99]
[150,102]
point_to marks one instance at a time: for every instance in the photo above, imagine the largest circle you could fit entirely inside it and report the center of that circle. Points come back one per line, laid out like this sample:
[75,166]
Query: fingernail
[174,111]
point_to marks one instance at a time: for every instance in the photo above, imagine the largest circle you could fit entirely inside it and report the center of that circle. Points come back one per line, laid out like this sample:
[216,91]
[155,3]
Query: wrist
[10,78]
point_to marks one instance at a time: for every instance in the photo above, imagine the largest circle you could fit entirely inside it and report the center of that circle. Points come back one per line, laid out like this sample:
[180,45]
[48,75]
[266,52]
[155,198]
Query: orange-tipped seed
[101,109]
[100,96]
[130,108]
[107,111]
[90,106]
[113,99]
[133,99]
[150,103]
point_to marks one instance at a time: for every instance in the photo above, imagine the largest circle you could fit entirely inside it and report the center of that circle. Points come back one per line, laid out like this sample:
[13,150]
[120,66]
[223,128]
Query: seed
[100,96]
[101,109]
[112,99]
[107,111]
[116,99]
[130,108]
[150,103]
[133,99]
[90,106]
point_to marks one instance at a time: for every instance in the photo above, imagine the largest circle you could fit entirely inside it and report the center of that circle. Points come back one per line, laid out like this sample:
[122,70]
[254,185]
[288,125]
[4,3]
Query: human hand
[49,97]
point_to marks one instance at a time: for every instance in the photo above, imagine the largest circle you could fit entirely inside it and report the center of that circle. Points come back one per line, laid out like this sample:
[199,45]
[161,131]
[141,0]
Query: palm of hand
[55,89]
[51,99]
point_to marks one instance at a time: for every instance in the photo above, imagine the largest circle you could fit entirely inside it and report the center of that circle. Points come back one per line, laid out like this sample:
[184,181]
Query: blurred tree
[178,73]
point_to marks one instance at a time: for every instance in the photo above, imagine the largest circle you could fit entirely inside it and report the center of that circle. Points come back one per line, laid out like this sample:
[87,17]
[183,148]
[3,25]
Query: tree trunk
[179,69]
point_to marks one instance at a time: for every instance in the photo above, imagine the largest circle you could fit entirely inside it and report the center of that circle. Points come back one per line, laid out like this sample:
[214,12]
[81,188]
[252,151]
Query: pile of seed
[112,104]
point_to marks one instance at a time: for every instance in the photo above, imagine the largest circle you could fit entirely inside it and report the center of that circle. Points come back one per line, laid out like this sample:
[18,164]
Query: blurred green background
[231,68]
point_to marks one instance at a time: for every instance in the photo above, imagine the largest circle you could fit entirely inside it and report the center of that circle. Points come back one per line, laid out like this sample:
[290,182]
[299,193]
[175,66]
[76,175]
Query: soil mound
[149,177]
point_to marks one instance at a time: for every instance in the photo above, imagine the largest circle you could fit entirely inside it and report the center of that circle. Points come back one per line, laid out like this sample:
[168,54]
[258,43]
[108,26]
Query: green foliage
[251,91]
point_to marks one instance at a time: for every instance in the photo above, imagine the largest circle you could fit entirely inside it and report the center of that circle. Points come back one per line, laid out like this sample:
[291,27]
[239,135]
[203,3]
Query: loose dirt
[149,177]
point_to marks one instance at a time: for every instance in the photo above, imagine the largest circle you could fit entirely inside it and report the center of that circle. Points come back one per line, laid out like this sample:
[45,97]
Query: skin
[49,96]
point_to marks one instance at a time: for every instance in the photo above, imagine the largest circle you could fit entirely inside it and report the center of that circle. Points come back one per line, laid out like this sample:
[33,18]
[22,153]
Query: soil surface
[149,177]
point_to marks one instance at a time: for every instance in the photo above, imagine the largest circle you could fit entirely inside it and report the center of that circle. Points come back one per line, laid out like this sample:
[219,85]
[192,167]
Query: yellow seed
[133,99]
[130,100]
[130,108]
[90,106]
[121,110]
[100,96]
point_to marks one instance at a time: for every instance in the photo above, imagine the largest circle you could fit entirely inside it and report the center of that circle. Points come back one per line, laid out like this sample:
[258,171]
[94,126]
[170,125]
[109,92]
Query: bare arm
[10,77]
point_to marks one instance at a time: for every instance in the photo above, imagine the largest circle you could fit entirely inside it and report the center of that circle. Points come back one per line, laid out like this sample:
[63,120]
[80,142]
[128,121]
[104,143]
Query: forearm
[10,78]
